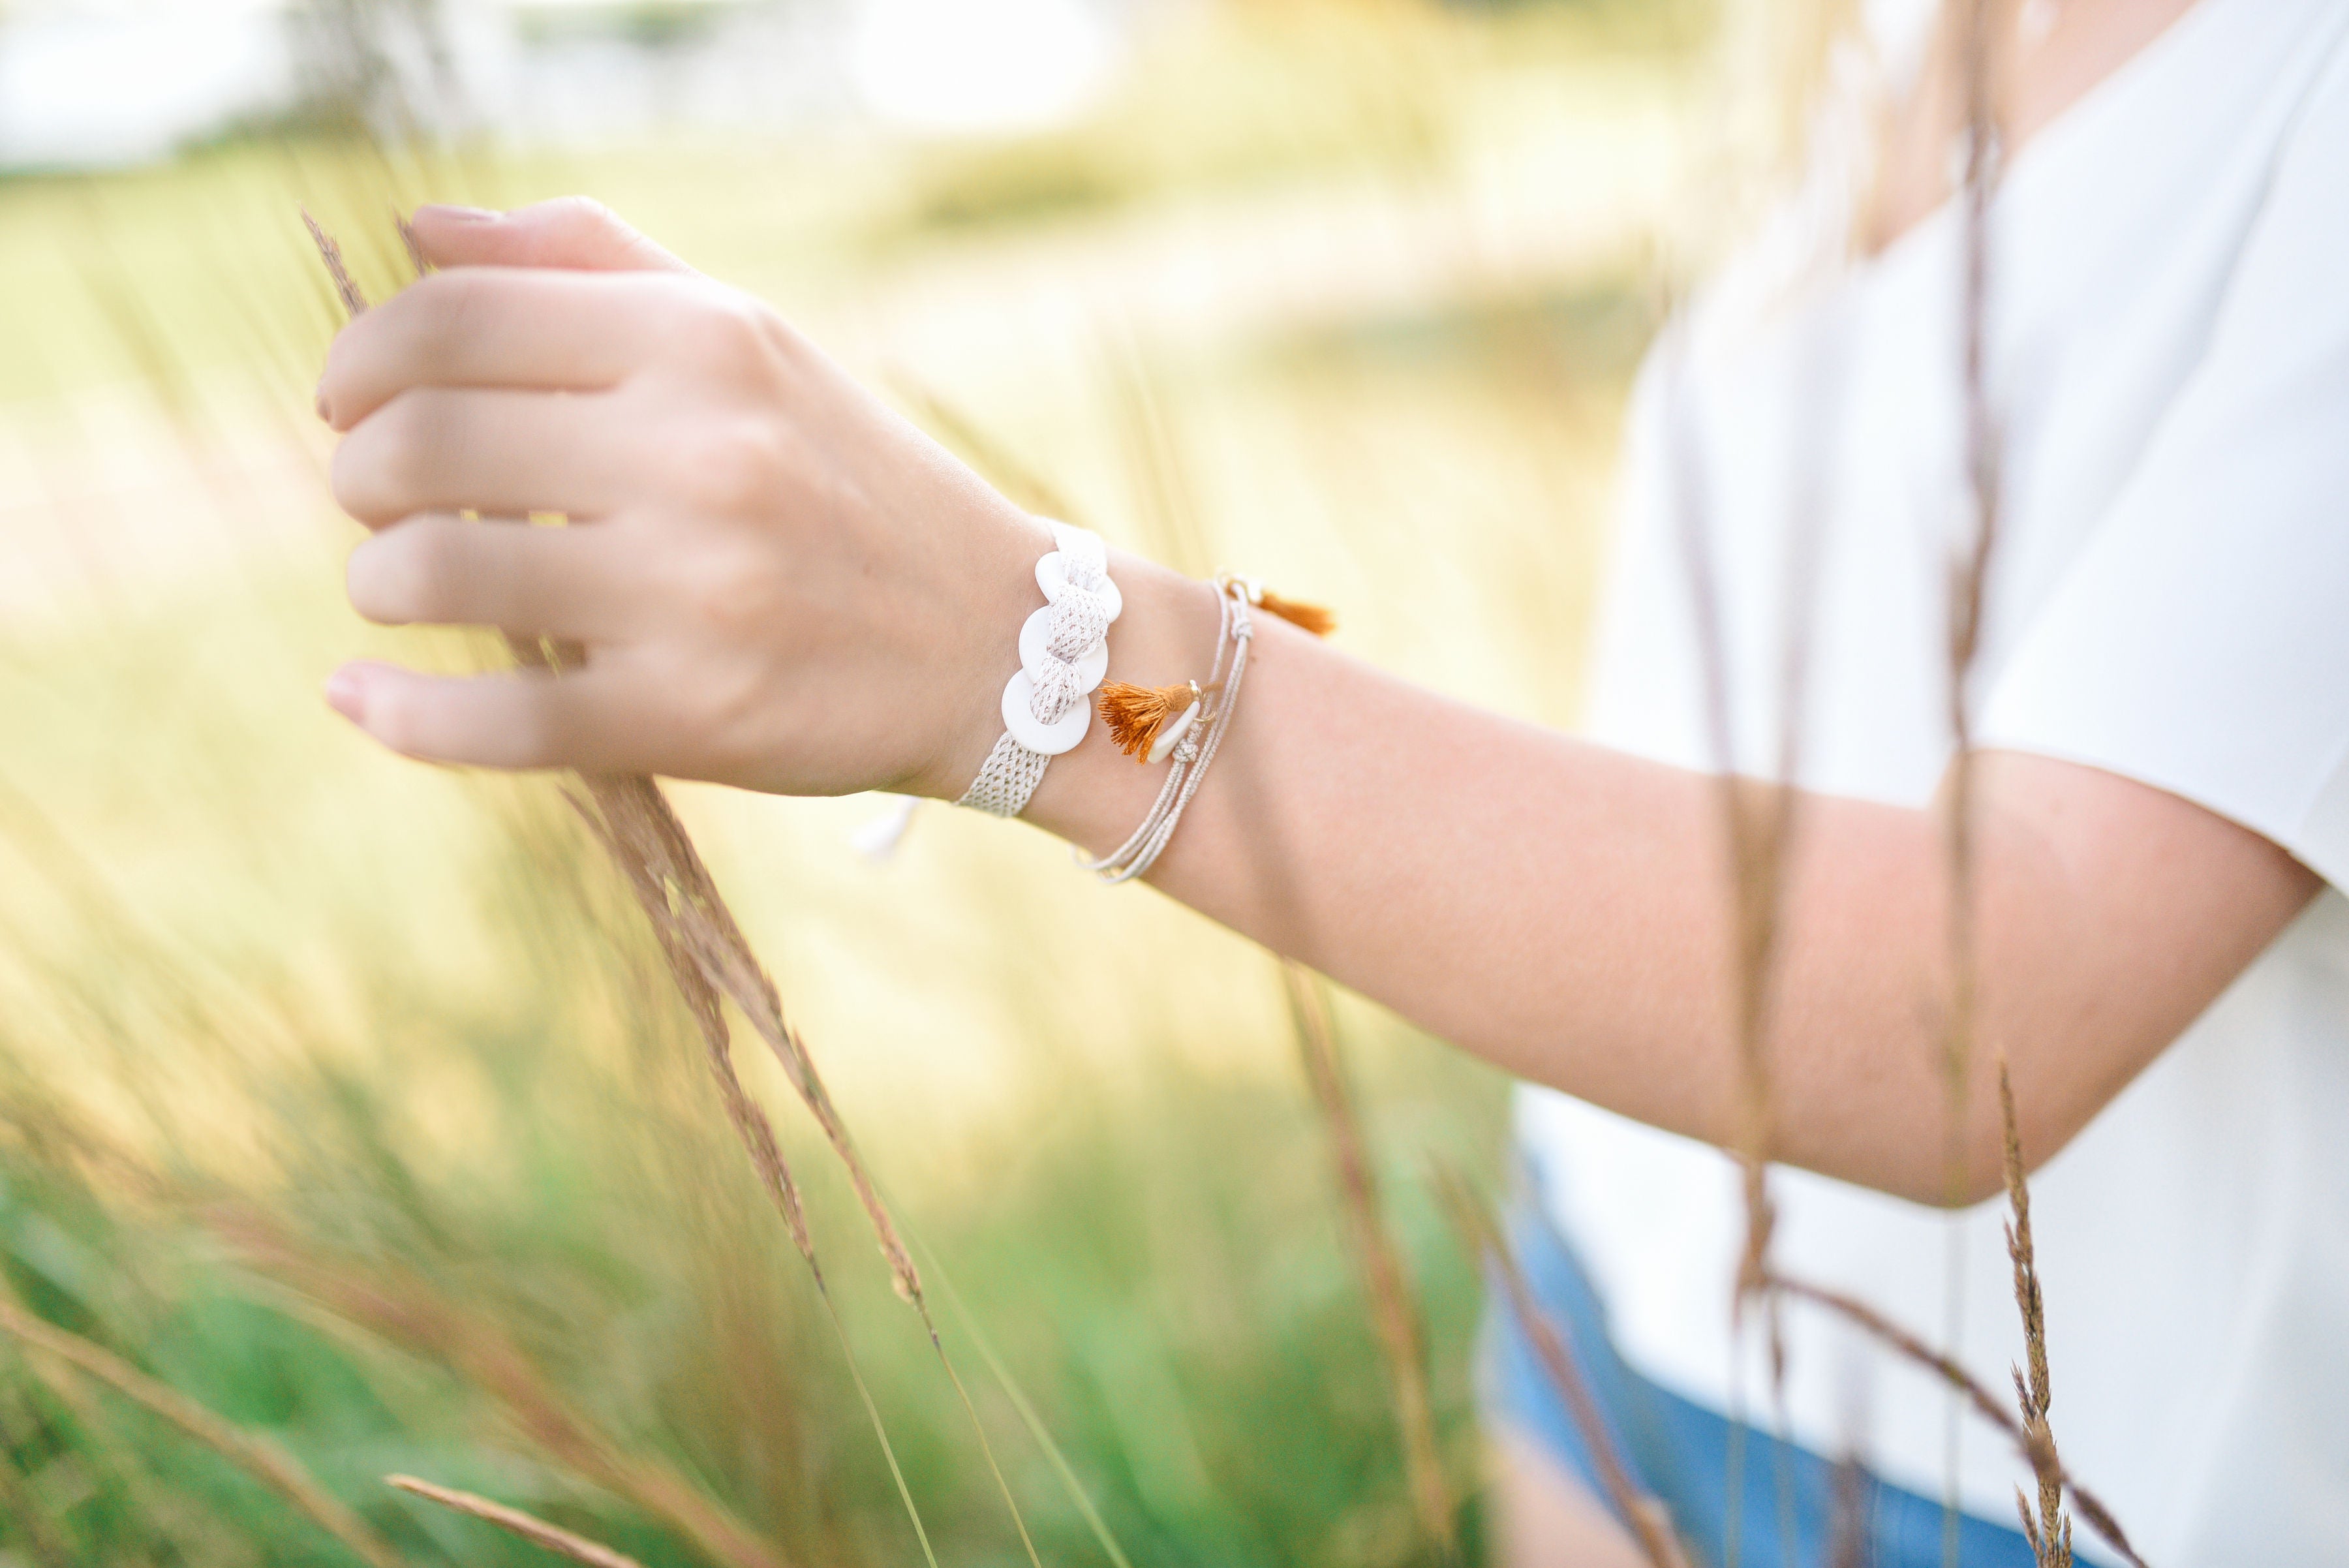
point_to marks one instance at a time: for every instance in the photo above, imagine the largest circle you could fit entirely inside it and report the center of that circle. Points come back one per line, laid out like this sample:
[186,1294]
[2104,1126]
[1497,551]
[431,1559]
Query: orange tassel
[1321,622]
[1134,714]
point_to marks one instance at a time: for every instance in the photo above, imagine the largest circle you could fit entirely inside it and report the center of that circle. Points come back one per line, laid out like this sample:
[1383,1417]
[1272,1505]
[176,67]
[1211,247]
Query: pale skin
[780,585]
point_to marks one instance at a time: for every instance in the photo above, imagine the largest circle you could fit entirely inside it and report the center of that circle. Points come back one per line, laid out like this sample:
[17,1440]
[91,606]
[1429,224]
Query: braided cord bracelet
[1191,741]
[1064,654]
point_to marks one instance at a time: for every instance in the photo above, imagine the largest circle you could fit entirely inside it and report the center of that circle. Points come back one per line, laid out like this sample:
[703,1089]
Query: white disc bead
[1081,544]
[1061,735]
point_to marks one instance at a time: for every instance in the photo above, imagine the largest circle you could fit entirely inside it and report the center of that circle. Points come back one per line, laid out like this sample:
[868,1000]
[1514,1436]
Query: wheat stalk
[530,1527]
[1650,1525]
[1760,821]
[2037,1451]
[1392,1314]
[2051,1534]
[1848,1534]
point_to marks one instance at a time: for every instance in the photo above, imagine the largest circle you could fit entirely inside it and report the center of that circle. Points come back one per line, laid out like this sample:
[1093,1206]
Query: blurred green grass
[250,965]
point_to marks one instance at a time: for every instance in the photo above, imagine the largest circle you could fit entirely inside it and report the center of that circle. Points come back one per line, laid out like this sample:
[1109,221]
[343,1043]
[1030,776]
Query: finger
[501,454]
[568,232]
[441,570]
[492,327]
[527,719]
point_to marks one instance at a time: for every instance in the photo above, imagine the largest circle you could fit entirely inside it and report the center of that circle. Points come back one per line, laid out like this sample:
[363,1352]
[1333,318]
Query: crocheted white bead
[1053,574]
[1053,737]
[1037,658]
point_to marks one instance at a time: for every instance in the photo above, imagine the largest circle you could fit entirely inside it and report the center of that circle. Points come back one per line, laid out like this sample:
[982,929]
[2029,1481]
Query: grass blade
[530,1527]
[1650,1526]
[1392,1312]
[1028,1416]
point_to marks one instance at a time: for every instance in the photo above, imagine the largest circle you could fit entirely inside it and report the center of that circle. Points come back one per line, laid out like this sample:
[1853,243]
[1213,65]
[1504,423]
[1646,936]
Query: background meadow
[348,1098]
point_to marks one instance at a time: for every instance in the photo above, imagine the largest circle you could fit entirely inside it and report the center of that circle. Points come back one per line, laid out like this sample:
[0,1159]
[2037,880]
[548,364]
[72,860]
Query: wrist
[1006,594]
[1093,794]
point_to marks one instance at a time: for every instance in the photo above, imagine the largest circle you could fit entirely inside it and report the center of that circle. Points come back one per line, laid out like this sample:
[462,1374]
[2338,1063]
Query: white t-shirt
[2169,357]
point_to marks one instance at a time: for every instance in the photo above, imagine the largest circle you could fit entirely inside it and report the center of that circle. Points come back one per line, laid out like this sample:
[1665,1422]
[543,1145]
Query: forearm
[1566,911]
[1460,867]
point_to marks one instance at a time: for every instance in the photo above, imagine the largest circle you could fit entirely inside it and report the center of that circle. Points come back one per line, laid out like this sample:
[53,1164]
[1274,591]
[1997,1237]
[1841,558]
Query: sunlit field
[348,1098]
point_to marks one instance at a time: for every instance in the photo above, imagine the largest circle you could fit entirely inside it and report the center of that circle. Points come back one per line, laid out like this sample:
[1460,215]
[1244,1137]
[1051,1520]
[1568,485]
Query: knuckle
[582,211]
[723,329]
[723,711]
[728,593]
[570,223]
[382,467]
[732,467]
[442,311]
[532,737]
[407,574]
[367,578]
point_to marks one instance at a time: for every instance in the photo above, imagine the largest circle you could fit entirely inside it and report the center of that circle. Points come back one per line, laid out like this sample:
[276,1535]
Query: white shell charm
[1172,734]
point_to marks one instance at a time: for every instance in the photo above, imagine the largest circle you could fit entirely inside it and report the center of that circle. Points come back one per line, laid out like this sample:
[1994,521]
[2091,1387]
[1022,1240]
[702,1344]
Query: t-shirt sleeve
[2199,642]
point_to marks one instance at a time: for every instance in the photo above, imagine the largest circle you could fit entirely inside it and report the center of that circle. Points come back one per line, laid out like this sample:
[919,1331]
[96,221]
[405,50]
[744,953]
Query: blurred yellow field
[1359,321]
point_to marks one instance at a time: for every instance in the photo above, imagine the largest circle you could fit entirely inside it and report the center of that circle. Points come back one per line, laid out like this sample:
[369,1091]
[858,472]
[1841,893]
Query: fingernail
[448,214]
[346,694]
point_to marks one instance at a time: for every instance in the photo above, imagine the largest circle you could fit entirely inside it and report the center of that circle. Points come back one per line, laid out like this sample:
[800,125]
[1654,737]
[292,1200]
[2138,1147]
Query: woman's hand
[776,582]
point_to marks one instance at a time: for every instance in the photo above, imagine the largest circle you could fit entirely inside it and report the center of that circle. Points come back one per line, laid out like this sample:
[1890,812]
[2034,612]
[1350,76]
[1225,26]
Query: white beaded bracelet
[1064,654]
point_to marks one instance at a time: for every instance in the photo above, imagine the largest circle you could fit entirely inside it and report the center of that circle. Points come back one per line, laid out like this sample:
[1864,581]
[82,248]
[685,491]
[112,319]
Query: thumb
[570,232]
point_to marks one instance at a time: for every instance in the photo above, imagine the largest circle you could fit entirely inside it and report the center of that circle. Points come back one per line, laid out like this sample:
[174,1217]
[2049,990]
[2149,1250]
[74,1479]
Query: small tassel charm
[1135,714]
[1314,618]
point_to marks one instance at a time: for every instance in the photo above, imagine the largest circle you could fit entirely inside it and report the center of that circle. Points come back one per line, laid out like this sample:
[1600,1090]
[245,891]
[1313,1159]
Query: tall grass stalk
[2039,1454]
[2050,1533]
[514,1522]
[1394,1314]
[1028,1416]
[1985,143]
[1759,818]
[645,858]
[1969,590]
[1647,1518]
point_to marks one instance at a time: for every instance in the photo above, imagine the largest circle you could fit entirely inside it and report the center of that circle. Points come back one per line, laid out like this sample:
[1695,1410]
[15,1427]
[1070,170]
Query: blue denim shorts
[1692,1459]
